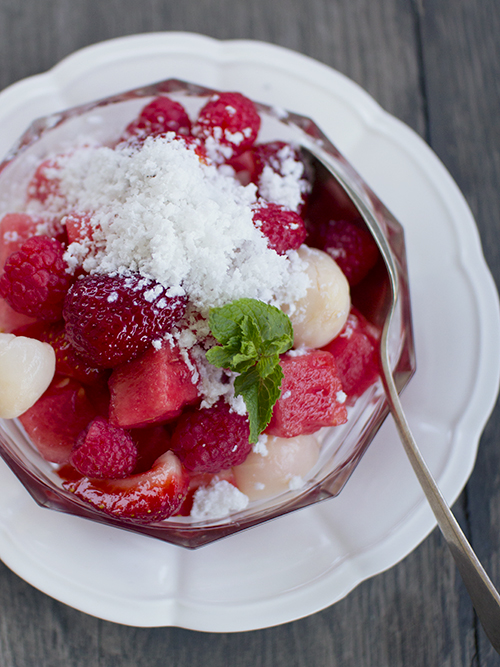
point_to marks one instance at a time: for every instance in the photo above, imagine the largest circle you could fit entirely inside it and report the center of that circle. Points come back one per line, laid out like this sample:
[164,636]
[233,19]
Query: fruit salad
[176,314]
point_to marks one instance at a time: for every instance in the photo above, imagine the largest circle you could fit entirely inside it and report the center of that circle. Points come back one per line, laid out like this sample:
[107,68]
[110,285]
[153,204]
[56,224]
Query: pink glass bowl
[343,446]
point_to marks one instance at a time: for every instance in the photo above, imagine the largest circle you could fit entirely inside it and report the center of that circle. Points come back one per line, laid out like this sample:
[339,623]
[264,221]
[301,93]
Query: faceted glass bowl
[342,446]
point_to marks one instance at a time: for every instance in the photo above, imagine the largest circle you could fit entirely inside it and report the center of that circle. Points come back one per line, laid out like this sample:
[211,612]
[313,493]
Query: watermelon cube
[311,395]
[78,227]
[151,389]
[57,418]
[15,229]
[356,352]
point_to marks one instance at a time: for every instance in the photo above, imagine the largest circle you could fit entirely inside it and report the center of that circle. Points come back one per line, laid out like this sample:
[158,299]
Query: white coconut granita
[217,500]
[282,181]
[160,210]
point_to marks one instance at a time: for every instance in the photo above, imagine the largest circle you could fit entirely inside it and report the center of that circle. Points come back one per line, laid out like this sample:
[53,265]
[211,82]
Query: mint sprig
[252,335]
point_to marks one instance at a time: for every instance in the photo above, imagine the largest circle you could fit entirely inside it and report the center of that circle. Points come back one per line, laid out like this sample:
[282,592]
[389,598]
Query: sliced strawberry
[143,498]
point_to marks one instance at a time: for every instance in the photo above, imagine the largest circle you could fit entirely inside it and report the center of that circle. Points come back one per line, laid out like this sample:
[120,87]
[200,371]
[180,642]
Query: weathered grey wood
[435,66]
[463,99]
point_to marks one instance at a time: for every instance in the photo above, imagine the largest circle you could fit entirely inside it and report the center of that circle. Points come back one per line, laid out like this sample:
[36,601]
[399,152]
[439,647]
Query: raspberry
[111,319]
[285,230]
[160,116]
[231,119]
[351,246]
[103,451]
[35,281]
[211,439]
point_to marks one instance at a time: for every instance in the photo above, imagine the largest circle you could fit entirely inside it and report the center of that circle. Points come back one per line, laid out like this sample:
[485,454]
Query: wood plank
[463,101]
[37,630]
[417,613]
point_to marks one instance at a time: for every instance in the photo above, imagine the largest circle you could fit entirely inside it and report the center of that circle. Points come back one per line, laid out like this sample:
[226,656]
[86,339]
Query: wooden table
[436,66]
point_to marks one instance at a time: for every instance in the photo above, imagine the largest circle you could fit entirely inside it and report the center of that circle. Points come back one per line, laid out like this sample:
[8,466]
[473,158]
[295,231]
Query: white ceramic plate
[303,562]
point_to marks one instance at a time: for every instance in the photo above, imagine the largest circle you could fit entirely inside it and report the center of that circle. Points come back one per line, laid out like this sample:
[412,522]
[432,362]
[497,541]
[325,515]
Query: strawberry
[112,319]
[143,498]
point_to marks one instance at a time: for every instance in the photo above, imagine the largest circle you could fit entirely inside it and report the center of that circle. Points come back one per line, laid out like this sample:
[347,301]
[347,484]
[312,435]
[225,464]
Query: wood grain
[435,66]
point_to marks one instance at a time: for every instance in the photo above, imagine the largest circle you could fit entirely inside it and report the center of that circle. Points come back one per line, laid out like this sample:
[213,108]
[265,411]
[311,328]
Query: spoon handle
[484,596]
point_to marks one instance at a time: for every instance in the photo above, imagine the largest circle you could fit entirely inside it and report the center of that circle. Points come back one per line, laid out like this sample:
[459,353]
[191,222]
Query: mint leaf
[252,335]
[260,395]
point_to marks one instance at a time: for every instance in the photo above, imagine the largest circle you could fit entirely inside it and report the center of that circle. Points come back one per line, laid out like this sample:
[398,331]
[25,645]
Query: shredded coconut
[260,446]
[295,483]
[160,211]
[282,181]
[217,500]
[341,397]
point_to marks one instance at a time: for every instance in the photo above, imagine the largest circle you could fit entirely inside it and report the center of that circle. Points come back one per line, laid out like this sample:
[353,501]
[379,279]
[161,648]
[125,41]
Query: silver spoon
[485,598]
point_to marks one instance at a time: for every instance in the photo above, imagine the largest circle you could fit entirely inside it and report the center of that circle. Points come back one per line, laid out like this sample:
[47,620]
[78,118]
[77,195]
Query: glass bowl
[342,446]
